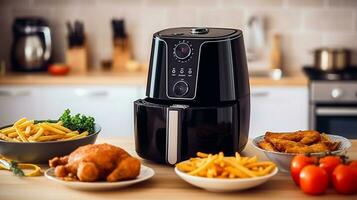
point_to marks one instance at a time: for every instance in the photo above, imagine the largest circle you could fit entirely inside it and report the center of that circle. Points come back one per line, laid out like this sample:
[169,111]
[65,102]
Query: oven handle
[329,111]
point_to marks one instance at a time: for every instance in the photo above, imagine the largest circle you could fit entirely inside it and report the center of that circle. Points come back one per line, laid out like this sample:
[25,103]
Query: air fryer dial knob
[336,93]
[199,30]
[182,50]
[180,88]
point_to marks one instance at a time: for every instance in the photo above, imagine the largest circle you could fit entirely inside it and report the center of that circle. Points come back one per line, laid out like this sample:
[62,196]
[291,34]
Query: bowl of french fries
[219,173]
[37,141]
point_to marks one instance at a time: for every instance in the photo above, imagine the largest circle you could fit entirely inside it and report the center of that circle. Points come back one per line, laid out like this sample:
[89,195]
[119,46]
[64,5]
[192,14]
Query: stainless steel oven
[333,107]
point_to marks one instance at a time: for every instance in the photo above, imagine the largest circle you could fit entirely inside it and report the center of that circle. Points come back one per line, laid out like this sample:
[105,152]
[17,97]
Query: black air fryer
[197,95]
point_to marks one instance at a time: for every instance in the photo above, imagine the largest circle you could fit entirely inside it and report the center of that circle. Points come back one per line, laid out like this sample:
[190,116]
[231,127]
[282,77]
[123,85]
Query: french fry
[202,155]
[27,130]
[20,121]
[27,123]
[49,138]
[21,134]
[12,134]
[59,127]
[52,129]
[37,135]
[71,134]
[6,138]
[85,133]
[219,166]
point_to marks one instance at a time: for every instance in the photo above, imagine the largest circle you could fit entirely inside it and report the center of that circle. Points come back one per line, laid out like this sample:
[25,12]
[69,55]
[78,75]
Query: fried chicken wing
[304,137]
[97,162]
[266,146]
[298,142]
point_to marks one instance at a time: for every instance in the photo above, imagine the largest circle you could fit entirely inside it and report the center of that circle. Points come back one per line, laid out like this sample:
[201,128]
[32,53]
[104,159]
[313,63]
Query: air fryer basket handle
[173,133]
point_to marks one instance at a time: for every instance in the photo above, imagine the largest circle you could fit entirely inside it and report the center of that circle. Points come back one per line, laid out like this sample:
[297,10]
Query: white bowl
[283,160]
[224,185]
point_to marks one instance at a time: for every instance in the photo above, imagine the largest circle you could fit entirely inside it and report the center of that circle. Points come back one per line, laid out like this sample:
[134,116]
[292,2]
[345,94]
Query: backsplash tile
[303,24]
[306,3]
[339,20]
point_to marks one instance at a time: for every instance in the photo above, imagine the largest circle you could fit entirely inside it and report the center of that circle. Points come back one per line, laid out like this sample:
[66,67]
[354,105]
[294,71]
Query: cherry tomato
[329,163]
[313,180]
[298,163]
[344,179]
[58,69]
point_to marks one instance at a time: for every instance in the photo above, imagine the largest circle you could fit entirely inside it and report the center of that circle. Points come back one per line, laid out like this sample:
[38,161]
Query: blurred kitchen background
[108,66]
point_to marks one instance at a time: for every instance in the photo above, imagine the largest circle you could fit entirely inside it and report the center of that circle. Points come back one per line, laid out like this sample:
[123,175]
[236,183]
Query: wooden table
[164,185]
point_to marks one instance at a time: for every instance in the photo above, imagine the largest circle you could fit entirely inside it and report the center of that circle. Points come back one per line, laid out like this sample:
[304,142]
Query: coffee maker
[31,46]
[197,95]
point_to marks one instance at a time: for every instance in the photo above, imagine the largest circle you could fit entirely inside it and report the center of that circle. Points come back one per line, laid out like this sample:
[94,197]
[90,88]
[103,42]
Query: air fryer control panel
[182,68]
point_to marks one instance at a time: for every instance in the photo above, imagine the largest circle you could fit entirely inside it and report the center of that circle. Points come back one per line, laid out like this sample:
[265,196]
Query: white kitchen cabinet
[16,102]
[272,108]
[142,92]
[278,109]
[112,106]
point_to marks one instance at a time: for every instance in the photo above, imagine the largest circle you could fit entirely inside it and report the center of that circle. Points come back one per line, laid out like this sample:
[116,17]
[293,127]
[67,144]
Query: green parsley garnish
[77,122]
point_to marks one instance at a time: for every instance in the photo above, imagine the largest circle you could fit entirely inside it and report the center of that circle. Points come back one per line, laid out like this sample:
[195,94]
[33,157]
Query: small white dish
[145,174]
[225,185]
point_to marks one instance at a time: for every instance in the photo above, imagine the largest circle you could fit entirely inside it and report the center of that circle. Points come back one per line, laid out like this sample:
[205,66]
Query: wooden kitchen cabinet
[278,109]
[112,106]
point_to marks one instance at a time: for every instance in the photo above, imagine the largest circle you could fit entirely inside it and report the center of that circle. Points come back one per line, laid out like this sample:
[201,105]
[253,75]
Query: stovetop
[349,74]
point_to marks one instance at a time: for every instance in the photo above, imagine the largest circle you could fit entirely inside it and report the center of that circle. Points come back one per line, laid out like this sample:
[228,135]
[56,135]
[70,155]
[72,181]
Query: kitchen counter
[107,78]
[165,184]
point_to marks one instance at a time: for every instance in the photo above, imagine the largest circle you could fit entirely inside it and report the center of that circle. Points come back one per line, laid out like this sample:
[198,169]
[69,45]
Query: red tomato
[329,163]
[313,180]
[344,179]
[353,163]
[298,163]
[57,69]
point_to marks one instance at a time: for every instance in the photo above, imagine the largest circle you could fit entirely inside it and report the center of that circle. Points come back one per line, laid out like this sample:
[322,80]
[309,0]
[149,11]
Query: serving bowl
[283,160]
[41,152]
[225,184]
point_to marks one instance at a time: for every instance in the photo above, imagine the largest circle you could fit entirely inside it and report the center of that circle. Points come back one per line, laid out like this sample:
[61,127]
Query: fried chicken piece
[303,137]
[283,145]
[288,146]
[314,148]
[266,146]
[97,162]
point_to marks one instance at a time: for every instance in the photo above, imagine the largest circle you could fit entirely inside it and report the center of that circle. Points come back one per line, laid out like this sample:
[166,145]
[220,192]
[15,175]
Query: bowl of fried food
[219,173]
[282,147]
[36,141]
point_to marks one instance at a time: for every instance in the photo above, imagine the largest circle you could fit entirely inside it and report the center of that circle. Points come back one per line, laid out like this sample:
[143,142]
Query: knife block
[121,54]
[77,59]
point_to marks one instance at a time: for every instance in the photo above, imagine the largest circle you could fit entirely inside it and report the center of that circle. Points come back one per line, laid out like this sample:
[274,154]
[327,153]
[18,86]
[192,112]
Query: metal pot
[342,58]
[328,59]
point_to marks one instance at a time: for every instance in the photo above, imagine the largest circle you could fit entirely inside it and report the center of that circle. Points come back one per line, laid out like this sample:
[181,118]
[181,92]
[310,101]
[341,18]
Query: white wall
[304,24]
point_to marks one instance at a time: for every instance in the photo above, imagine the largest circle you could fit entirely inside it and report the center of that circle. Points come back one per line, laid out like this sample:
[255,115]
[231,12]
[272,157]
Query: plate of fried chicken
[282,147]
[98,167]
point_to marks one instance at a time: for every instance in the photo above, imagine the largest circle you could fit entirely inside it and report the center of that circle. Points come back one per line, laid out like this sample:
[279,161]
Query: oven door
[337,120]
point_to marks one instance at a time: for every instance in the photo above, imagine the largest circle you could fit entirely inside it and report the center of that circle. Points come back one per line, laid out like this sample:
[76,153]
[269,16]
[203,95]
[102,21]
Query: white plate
[225,185]
[145,174]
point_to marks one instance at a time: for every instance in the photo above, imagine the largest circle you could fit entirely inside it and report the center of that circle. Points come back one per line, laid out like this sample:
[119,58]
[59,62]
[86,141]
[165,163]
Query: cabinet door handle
[7,93]
[86,93]
[260,94]
[339,111]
